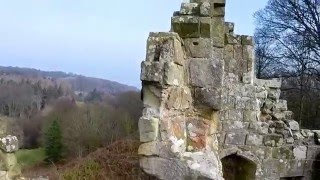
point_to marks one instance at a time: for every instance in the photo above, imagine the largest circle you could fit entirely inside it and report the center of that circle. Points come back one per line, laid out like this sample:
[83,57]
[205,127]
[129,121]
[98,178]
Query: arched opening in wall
[316,168]
[238,168]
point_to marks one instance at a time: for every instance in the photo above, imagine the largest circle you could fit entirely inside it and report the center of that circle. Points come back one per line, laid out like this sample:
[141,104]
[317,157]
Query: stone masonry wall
[202,103]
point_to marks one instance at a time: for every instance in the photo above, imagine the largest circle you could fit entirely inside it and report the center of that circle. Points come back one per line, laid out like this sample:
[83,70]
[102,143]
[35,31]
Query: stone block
[248,57]
[273,140]
[232,39]
[163,168]
[151,96]
[293,125]
[250,116]
[281,105]
[274,94]
[279,116]
[189,9]
[234,126]
[248,77]
[151,71]
[199,47]
[218,10]
[228,53]
[179,98]
[259,127]
[9,144]
[165,47]
[235,139]
[155,148]
[209,98]
[205,27]
[173,74]
[149,129]
[254,140]
[247,40]
[206,73]
[300,152]
[271,83]
[205,9]
[186,26]
[234,115]
[218,33]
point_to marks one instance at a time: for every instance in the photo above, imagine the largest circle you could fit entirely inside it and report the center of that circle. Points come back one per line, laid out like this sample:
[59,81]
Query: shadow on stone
[238,168]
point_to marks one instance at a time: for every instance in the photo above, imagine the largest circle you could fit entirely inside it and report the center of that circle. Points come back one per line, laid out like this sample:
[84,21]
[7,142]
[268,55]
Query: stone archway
[236,167]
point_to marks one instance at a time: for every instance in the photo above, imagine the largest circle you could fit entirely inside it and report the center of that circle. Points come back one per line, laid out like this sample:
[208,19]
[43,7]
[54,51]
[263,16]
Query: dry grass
[117,161]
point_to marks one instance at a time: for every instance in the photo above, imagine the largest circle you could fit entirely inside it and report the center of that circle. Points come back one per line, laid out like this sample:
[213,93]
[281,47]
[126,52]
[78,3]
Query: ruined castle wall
[202,104]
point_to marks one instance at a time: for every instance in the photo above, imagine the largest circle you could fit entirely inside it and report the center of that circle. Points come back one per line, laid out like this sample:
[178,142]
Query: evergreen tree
[53,142]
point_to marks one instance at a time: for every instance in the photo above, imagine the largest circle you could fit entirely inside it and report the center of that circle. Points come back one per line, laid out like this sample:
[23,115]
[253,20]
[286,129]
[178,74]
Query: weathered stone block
[218,33]
[247,40]
[151,71]
[232,39]
[293,125]
[173,74]
[234,126]
[210,98]
[300,152]
[228,53]
[205,27]
[279,116]
[179,98]
[248,77]
[205,9]
[234,115]
[254,140]
[149,129]
[248,57]
[218,10]
[155,148]
[259,127]
[199,47]
[189,9]
[165,168]
[151,96]
[206,73]
[250,116]
[9,144]
[235,139]
[165,47]
[273,140]
[274,94]
[281,105]
[186,26]
[271,83]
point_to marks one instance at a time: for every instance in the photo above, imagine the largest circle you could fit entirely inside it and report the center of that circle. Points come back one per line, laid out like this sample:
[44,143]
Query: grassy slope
[29,158]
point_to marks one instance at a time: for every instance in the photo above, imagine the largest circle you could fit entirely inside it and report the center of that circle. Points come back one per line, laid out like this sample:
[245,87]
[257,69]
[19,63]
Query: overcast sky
[99,38]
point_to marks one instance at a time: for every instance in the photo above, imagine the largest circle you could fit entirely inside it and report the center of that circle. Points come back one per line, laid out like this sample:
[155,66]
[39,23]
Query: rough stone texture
[9,144]
[202,103]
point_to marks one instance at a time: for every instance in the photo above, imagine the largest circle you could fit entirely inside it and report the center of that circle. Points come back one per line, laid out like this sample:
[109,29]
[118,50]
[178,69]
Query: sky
[97,38]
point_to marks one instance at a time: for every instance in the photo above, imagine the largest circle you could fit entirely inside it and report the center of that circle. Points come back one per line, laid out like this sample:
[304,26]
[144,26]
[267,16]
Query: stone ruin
[205,114]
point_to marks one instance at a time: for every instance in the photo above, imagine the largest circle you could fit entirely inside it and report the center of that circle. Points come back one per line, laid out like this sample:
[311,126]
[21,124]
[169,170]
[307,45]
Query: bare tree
[288,45]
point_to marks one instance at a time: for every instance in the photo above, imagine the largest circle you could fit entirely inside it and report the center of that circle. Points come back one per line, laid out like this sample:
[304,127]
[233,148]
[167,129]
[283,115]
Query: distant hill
[76,82]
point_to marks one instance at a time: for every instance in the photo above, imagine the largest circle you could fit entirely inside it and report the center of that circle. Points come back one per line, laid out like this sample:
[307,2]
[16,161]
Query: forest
[81,122]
